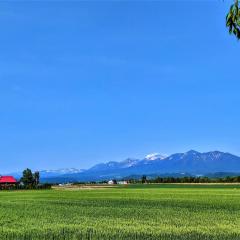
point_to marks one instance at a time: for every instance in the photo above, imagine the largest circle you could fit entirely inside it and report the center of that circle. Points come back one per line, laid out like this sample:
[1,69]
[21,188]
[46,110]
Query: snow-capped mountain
[129,162]
[191,162]
[51,173]
[59,172]
[155,156]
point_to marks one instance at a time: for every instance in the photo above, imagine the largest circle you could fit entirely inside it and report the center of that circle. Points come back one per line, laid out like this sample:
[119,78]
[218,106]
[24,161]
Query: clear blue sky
[89,82]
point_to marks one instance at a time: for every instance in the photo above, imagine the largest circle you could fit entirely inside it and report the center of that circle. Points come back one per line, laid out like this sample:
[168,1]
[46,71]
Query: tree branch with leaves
[233,19]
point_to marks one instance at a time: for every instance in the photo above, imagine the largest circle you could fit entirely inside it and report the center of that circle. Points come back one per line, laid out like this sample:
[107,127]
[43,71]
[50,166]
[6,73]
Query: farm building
[122,182]
[111,182]
[7,181]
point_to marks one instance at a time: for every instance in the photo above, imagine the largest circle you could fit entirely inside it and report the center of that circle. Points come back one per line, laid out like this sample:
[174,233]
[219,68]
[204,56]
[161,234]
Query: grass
[133,212]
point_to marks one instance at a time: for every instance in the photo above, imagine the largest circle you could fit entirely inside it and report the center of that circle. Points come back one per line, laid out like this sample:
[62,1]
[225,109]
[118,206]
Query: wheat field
[132,212]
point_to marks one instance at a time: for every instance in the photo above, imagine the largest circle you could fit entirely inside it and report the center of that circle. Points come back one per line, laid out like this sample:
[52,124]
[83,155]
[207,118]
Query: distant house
[7,181]
[122,182]
[111,182]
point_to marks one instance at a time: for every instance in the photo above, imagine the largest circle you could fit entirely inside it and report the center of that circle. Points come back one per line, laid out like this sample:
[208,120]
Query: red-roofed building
[7,180]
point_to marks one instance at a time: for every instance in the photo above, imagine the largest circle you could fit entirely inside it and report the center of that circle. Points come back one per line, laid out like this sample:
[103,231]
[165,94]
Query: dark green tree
[114,181]
[144,179]
[233,19]
[27,178]
[36,177]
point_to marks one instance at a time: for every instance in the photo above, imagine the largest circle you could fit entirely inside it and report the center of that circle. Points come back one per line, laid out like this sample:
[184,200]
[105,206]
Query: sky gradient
[89,82]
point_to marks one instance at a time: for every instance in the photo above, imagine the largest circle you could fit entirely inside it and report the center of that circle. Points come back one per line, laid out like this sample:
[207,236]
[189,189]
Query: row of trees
[228,179]
[30,180]
[145,180]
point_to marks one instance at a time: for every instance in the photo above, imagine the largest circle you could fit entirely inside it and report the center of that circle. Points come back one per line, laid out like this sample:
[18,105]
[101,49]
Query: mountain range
[178,164]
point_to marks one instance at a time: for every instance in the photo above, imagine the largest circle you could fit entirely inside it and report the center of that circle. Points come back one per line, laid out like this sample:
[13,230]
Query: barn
[7,181]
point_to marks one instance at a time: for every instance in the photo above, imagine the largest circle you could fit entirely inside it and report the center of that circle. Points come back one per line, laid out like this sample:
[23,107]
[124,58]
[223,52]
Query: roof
[7,179]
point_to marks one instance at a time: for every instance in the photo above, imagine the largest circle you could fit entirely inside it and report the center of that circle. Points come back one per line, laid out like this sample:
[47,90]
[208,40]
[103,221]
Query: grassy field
[132,212]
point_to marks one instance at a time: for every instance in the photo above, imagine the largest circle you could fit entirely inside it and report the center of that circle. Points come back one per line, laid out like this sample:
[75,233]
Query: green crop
[135,212]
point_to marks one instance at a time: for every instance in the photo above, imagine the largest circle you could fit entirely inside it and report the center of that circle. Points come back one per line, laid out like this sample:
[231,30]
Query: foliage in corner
[233,19]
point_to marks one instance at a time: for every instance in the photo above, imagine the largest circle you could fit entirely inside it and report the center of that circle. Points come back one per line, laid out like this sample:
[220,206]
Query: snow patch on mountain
[155,156]
[62,170]
[130,162]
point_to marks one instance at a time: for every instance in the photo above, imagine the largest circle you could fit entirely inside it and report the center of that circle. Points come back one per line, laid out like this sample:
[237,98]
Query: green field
[132,212]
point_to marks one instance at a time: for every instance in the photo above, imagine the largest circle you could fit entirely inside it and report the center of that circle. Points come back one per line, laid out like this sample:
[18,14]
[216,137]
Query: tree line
[190,179]
[31,180]
[187,179]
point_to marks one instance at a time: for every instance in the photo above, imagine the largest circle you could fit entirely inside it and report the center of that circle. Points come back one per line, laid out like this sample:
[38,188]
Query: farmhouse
[111,182]
[122,182]
[6,181]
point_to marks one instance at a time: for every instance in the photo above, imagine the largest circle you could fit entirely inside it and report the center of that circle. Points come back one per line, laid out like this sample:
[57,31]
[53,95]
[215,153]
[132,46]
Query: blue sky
[89,82]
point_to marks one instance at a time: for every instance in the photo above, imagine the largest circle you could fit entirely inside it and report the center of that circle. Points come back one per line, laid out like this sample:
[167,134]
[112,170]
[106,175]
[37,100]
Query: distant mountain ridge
[51,173]
[192,162]
[188,163]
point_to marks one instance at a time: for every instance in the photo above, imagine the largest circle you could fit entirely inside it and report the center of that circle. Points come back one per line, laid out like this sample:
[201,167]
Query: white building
[111,182]
[122,182]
